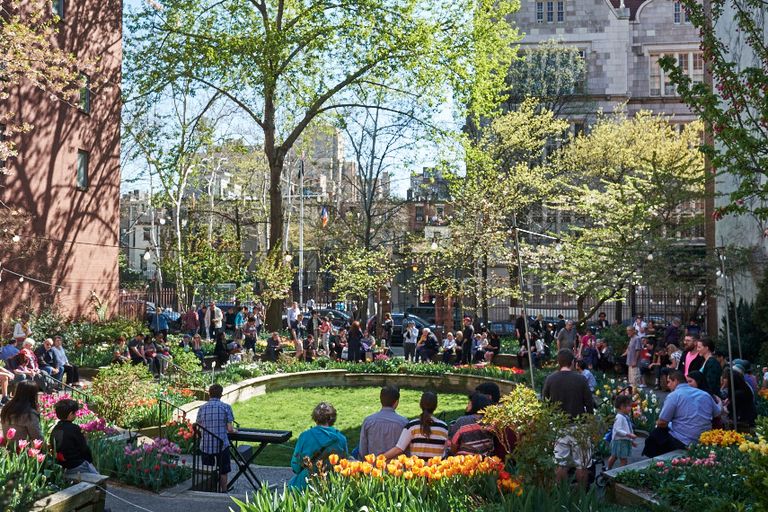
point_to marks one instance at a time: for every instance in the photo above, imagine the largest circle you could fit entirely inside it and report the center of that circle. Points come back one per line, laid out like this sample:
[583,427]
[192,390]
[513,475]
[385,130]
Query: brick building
[66,176]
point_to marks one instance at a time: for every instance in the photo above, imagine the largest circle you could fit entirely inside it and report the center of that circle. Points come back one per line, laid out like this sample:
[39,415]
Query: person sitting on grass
[424,437]
[68,441]
[467,435]
[316,444]
[381,430]
[622,435]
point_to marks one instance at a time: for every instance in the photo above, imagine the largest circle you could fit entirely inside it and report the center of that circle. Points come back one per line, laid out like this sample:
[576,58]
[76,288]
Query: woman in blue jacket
[316,444]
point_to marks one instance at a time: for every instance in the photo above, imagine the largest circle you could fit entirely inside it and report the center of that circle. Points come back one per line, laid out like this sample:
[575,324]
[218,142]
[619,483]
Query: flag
[324,216]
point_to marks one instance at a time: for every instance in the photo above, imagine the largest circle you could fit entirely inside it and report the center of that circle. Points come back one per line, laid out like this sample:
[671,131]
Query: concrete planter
[84,496]
[630,497]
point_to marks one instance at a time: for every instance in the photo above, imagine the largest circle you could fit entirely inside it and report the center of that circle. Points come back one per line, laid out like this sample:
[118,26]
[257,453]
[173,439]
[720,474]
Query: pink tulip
[37,443]
[11,433]
[23,444]
[33,452]
[40,458]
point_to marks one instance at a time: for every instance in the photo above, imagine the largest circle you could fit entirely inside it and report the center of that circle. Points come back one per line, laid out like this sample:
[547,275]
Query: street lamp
[433,246]
[147,255]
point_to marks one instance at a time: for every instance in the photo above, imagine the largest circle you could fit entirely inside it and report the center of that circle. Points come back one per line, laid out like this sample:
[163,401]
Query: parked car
[338,318]
[397,329]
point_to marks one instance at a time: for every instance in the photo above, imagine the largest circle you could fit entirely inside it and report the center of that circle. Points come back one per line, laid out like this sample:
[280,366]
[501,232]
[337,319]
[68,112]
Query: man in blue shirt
[381,430]
[687,412]
[217,420]
[9,350]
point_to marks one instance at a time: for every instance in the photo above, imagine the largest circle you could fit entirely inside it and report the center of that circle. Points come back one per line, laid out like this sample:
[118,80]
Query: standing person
[386,329]
[203,329]
[622,434]
[424,437]
[22,329]
[250,333]
[410,338]
[381,430]
[602,322]
[672,333]
[220,349]
[633,356]
[21,414]
[214,319]
[568,337]
[687,413]
[711,368]
[291,313]
[190,322]
[317,444]
[325,336]
[310,304]
[159,322]
[570,392]
[468,333]
[68,441]
[70,370]
[354,342]
[690,359]
[314,324]
[217,420]
[240,318]
[640,325]
[258,312]
[298,333]
[520,329]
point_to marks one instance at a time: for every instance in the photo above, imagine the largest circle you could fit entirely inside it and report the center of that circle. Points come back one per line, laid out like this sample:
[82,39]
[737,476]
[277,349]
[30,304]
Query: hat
[743,363]
[738,368]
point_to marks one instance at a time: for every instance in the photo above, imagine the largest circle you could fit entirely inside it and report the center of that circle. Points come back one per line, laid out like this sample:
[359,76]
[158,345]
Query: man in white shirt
[213,320]
[640,326]
[292,313]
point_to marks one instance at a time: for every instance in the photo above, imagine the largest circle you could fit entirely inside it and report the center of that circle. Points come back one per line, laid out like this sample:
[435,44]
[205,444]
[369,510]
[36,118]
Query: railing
[166,412]
[74,392]
[205,465]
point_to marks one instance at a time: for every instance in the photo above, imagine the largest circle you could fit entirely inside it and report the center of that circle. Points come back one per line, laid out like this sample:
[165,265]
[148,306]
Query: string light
[21,279]
[16,238]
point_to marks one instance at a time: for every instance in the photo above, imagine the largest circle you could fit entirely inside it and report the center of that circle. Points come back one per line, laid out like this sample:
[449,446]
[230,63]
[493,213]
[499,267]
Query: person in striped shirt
[426,436]
[467,435]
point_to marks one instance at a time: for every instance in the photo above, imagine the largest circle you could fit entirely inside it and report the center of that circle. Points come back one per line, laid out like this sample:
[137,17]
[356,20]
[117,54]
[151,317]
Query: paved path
[180,499]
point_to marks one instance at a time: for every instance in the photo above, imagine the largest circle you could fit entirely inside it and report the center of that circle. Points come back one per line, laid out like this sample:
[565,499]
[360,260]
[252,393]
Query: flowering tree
[736,109]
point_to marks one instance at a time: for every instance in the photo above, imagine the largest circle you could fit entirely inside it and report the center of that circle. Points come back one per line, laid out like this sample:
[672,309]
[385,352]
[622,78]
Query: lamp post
[522,301]
[721,273]
[301,232]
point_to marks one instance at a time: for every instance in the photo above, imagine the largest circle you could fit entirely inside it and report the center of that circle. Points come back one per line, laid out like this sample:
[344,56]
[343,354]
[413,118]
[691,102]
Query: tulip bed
[724,471]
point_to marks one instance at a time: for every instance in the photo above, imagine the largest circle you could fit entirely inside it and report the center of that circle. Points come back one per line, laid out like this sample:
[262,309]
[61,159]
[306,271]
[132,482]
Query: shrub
[121,388]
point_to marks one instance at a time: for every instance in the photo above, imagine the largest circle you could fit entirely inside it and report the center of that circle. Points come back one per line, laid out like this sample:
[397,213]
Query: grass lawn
[291,409]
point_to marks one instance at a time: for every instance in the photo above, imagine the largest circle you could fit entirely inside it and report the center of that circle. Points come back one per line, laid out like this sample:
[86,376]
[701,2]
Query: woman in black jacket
[354,342]
[746,412]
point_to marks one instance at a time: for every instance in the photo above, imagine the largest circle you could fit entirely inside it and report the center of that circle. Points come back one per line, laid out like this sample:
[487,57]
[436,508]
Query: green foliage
[358,272]
[117,388]
[552,72]
[719,486]
[626,183]
[562,498]
[736,107]
[24,478]
[275,276]
[50,322]
[753,346]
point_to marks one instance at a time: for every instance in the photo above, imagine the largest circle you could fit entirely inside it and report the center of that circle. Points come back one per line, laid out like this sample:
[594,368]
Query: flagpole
[301,232]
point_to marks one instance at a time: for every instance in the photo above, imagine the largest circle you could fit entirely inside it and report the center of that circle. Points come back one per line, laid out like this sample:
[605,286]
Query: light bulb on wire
[16,239]
[21,279]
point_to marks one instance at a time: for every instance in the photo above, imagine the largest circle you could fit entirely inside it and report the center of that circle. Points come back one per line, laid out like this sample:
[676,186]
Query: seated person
[381,430]
[424,437]
[467,435]
[492,348]
[273,347]
[746,412]
[449,347]
[120,351]
[68,441]
[428,346]
[316,445]
[686,413]
[23,369]
[46,358]
[310,348]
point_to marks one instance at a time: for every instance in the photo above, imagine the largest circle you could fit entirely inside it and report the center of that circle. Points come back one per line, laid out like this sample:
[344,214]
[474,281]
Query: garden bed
[87,495]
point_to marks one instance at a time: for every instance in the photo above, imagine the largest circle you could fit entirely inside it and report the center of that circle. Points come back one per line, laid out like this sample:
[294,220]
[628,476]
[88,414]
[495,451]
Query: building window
[578,129]
[147,234]
[550,12]
[560,12]
[580,84]
[440,212]
[85,94]
[82,169]
[58,8]
[539,12]
[681,14]
[691,64]
[419,214]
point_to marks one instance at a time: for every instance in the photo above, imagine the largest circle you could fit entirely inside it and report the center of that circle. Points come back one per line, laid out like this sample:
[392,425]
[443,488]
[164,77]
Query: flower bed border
[629,496]
[86,495]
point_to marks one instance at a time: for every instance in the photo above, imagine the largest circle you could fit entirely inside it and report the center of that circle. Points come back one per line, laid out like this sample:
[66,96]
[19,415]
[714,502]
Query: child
[623,433]
[582,368]
[68,441]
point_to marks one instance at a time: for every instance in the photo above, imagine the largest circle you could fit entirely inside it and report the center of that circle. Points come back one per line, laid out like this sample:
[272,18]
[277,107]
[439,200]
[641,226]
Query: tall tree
[285,62]
[553,72]
[626,189]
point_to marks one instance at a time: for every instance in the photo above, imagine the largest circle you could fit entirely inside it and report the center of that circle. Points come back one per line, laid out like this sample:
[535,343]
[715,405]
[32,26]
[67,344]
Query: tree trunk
[276,160]
[580,310]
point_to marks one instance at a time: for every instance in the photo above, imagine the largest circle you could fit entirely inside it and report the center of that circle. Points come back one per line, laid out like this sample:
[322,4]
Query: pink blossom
[11,433]
[660,464]
[33,452]
[40,458]
[23,444]
[37,443]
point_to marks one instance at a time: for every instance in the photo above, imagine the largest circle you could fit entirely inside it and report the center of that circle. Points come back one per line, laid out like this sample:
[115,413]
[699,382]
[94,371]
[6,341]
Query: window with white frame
[555,11]
[539,12]
[691,64]
[681,15]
